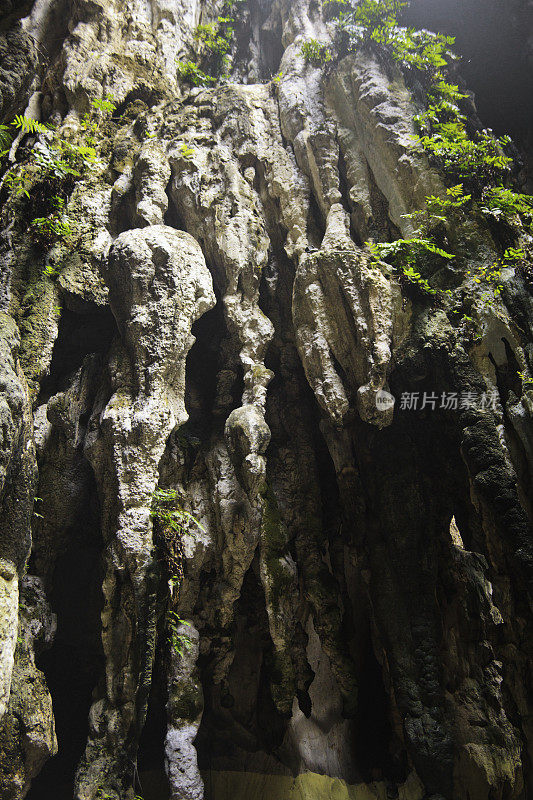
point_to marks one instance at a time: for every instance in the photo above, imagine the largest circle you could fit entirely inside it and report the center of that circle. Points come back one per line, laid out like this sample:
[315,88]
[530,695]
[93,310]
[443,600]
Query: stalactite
[194,302]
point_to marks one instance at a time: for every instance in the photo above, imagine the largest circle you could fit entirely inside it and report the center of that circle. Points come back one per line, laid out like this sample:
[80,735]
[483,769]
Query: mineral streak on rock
[229,566]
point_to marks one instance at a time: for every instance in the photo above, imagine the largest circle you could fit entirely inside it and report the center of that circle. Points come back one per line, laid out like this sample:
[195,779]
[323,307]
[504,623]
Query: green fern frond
[29,125]
[5,139]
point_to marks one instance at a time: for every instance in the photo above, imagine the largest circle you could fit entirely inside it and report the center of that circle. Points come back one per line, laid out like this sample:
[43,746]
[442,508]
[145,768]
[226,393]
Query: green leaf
[315,53]
[190,73]
[29,125]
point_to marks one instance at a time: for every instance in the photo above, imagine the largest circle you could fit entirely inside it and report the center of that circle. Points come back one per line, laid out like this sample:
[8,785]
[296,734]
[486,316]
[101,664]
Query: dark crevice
[316,227]
[213,260]
[172,217]
[258,39]
[405,539]
[151,777]
[123,212]
[380,226]
[74,664]
[341,372]
[79,335]
[271,209]
[521,465]
[507,378]
[466,517]
[509,386]
[271,47]
[148,95]
[240,718]
[377,753]
[213,384]
[52,37]
[376,756]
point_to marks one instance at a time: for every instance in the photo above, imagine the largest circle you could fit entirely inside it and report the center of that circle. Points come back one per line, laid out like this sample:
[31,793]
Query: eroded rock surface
[296,588]
[27,733]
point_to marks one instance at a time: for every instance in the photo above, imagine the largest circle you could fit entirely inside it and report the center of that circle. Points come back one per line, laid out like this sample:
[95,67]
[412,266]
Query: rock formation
[231,566]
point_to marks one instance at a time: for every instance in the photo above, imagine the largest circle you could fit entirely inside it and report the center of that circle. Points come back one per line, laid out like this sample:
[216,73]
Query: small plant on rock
[190,73]
[211,59]
[46,179]
[210,39]
[17,182]
[440,210]
[474,163]
[315,53]
[55,227]
[26,125]
[167,509]
[454,200]
[186,151]
[50,229]
[171,522]
[106,105]
[179,642]
[404,256]
[502,203]
[491,275]
[527,381]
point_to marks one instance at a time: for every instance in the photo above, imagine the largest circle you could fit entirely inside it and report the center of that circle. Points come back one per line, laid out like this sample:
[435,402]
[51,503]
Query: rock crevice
[334,596]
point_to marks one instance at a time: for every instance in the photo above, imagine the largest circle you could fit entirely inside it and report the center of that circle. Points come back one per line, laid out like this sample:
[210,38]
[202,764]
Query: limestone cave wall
[229,568]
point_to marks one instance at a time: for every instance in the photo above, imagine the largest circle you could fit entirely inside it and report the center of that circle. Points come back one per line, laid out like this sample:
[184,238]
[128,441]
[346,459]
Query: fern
[29,125]
[527,381]
[499,202]
[166,508]
[404,255]
[6,138]
[23,124]
[210,39]
[475,164]
[49,230]
[17,182]
[179,642]
[407,250]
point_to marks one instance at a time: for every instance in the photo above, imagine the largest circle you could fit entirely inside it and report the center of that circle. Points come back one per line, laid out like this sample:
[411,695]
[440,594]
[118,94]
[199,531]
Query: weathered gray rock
[343,310]
[247,437]
[184,709]
[152,175]
[9,599]
[17,490]
[12,396]
[158,286]
[376,129]
[19,62]
[353,610]
[27,733]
